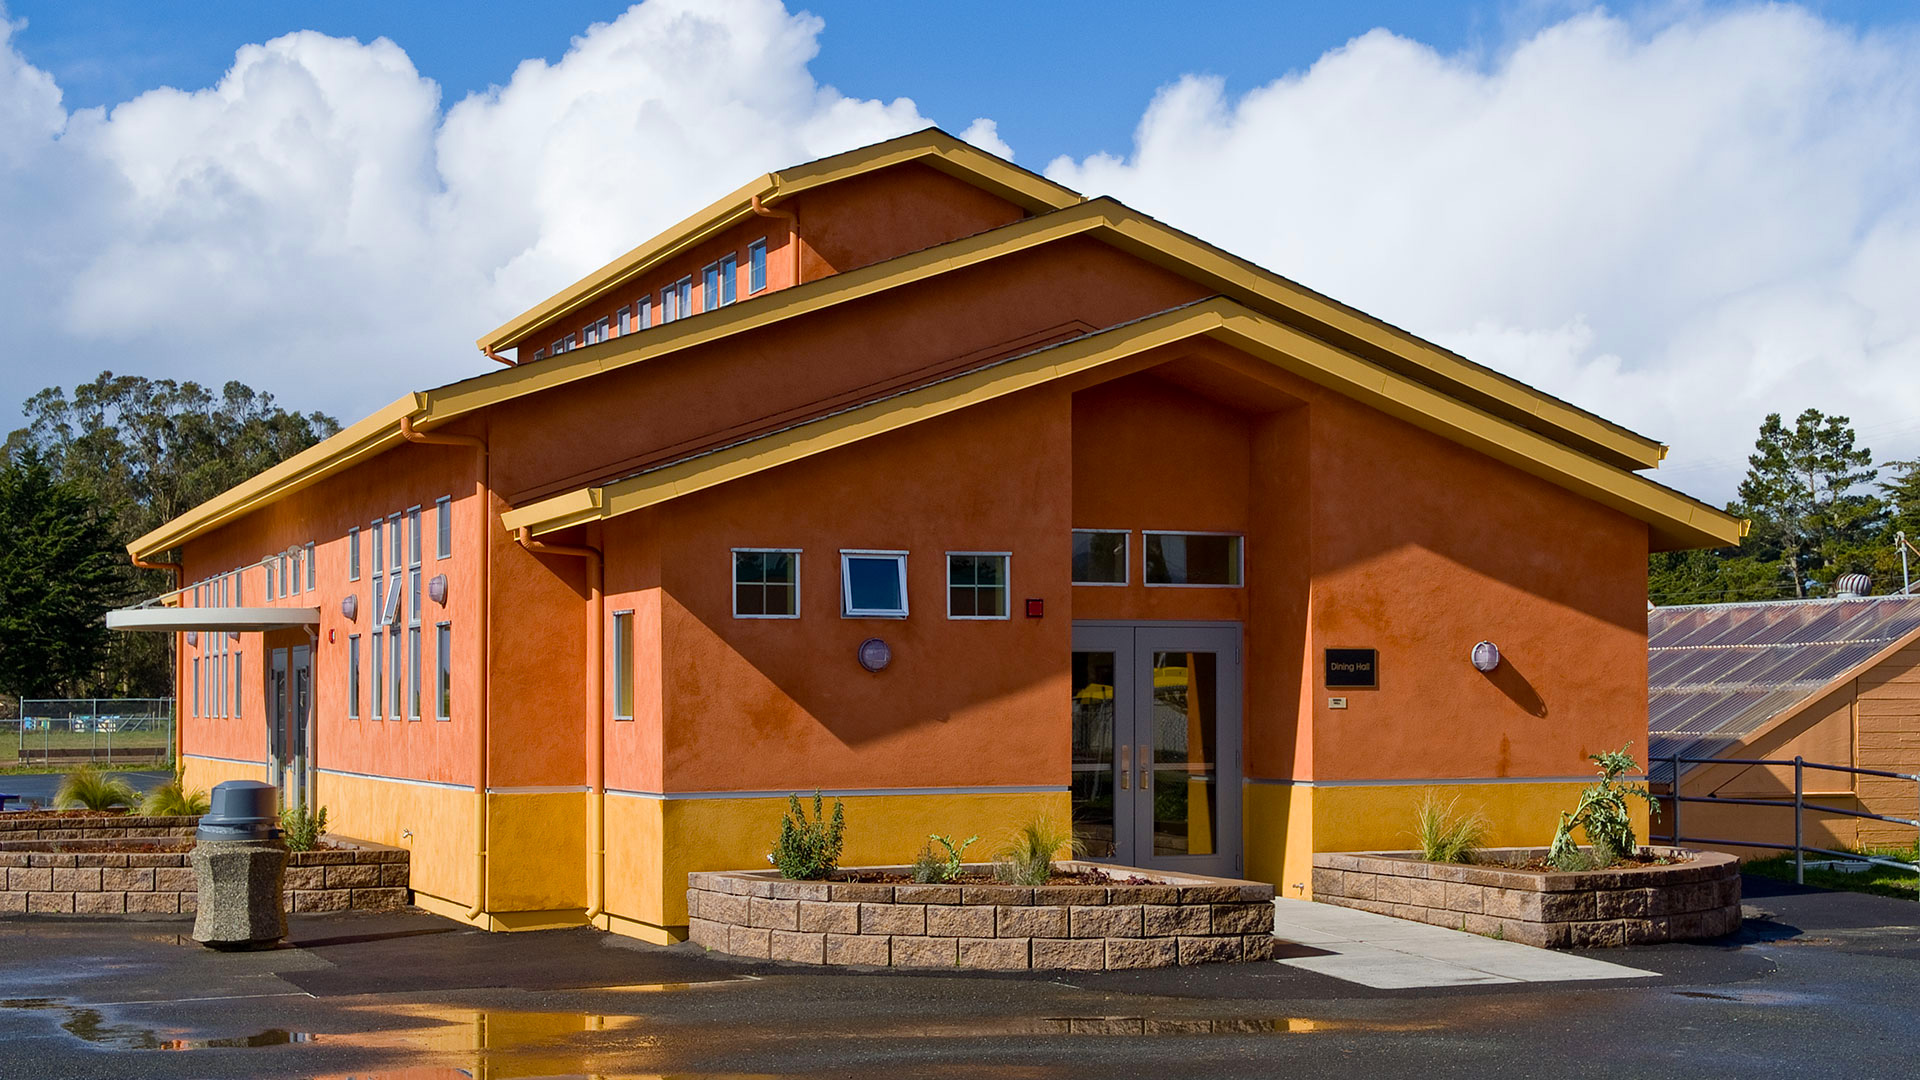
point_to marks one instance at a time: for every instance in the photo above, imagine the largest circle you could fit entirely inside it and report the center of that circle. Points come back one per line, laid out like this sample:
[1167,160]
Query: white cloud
[985,134]
[1682,224]
[316,225]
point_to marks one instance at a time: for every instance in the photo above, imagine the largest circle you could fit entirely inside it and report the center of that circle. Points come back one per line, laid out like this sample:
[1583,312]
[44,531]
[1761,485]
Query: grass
[1445,834]
[1878,880]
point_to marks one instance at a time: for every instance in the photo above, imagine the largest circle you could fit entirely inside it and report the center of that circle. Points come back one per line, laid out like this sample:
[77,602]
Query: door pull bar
[1126,766]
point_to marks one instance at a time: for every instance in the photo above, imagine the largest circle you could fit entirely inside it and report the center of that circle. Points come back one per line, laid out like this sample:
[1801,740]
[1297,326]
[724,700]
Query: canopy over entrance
[233,620]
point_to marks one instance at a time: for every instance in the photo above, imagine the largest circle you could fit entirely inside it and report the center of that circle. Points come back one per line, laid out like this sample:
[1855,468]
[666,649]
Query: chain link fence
[63,732]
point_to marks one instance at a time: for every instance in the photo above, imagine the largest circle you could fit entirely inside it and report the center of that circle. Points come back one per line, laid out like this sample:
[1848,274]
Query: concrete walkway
[1396,954]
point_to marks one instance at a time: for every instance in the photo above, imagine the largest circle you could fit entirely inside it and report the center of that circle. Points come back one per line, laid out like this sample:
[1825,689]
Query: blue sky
[1060,78]
[1681,216]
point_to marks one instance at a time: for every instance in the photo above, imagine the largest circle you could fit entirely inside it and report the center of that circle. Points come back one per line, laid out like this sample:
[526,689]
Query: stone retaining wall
[34,825]
[102,877]
[1698,898]
[1176,919]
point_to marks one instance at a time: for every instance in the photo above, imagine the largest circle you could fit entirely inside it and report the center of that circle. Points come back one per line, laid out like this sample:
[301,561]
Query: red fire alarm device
[1036,608]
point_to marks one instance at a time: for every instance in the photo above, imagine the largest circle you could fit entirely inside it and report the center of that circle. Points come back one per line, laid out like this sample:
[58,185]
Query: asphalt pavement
[39,787]
[1817,984]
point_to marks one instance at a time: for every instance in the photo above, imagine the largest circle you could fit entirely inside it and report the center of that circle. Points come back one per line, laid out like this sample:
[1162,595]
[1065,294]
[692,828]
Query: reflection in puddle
[1751,997]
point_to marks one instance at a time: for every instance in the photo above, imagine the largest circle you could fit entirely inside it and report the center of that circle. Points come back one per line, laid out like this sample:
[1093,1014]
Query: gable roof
[1719,675]
[931,147]
[1102,219]
[1674,519]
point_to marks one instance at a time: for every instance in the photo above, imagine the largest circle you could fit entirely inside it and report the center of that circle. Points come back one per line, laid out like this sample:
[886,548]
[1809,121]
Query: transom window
[873,584]
[1194,559]
[766,583]
[1100,557]
[977,584]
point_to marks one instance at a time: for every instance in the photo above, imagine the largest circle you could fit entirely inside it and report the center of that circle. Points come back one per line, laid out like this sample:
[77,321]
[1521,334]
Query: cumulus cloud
[1682,224]
[318,224]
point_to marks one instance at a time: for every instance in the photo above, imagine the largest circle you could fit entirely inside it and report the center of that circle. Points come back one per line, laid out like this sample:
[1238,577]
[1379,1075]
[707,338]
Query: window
[395,674]
[571,342]
[196,686]
[1198,559]
[1100,557]
[593,333]
[443,526]
[413,673]
[539,354]
[443,660]
[293,564]
[721,281]
[413,580]
[873,584]
[623,665]
[977,584]
[378,682]
[283,568]
[558,347]
[353,553]
[683,297]
[710,288]
[756,266]
[312,571]
[238,682]
[766,583]
[353,676]
[624,320]
[643,313]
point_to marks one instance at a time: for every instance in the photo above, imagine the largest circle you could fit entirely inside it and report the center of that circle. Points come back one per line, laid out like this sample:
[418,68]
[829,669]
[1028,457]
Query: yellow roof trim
[931,146]
[350,445]
[1674,519]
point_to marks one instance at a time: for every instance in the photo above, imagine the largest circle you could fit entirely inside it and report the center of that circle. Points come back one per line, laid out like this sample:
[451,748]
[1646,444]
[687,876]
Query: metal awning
[232,620]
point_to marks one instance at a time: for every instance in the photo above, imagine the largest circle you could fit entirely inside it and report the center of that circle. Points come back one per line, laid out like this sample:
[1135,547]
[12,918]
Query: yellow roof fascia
[353,444]
[932,147]
[1674,519]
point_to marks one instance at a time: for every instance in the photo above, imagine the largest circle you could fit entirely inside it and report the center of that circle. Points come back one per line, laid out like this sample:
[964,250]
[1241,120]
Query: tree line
[1820,508]
[90,472]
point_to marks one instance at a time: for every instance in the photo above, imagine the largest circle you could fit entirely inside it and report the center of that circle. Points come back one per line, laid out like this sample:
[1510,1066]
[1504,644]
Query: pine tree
[1804,493]
[58,577]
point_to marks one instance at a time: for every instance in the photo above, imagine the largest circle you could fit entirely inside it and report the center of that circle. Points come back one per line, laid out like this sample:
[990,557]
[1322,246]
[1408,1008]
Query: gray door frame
[1133,645]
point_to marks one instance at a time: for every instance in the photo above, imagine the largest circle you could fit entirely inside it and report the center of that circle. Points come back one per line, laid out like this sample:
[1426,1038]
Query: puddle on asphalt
[1751,997]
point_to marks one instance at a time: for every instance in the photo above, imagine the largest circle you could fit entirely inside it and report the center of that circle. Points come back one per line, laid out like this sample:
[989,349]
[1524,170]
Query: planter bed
[151,875]
[1696,897]
[89,825]
[1164,920]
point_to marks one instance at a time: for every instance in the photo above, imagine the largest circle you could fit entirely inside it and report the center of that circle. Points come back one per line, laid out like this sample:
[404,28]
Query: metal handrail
[1800,806]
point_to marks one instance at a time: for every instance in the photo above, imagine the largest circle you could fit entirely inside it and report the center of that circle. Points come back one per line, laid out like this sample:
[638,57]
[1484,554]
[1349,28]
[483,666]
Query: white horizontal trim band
[846,793]
[228,760]
[1438,781]
[565,789]
[397,780]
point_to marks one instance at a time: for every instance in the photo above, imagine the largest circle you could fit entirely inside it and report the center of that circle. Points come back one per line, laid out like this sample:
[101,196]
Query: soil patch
[1058,877]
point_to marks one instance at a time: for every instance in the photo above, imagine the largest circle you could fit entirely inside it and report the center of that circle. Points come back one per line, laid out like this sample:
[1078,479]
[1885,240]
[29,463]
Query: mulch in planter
[1073,877]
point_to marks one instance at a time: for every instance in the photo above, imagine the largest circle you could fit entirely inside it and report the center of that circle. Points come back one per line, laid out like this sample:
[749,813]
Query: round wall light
[350,605]
[1486,656]
[874,654]
[437,589]
[193,638]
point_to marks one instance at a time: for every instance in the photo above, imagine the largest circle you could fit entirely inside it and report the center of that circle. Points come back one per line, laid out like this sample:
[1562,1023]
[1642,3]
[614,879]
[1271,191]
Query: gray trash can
[240,867]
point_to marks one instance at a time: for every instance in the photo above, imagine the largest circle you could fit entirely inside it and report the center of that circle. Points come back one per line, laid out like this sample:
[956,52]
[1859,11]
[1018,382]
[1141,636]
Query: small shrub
[808,849]
[302,829]
[928,866]
[172,799]
[90,789]
[1602,814]
[1444,833]
[951,866]
[1027,858]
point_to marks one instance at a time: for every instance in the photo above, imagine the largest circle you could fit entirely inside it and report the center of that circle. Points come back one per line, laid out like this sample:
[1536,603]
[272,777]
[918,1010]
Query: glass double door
[289,701]
[1156,745]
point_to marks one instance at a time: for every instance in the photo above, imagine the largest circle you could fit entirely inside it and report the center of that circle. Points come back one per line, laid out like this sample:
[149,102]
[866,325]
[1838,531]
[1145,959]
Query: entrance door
[277,704]
[1156,745]
[289,695]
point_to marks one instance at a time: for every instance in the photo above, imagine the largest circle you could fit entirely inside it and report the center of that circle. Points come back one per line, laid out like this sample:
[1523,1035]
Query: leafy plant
[1027,858]
[808,849]
[929,868]
[1602,814]
[951,866]
[172,799]
[88,788]
[1444,833]
[301,828]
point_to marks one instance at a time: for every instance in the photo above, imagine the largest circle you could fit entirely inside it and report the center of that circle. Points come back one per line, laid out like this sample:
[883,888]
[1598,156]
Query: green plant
[928,866]
[808,849]
[951,866]
[90,789]
[1027,858]
[1602,814]
[1444,833]
[302,828]
[172,799]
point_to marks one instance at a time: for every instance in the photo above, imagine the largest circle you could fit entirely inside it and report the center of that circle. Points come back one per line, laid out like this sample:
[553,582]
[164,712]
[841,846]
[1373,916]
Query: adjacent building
[913,477]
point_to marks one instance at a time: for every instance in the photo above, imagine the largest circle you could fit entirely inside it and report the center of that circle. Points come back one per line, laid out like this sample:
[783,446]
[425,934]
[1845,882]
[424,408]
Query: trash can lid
[242,802]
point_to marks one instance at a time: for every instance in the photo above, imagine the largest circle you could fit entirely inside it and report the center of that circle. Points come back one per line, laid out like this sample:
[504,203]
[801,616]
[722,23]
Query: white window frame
[239,682]
[353,553]
[623,673]
[683,295]
[623,320]
[847,610]
[757,259]
[443,671]
[1006,586]
[353,676]
[1126,561]
[443,527]
[413,672]
[377,669]
[734,582]
[1240,571]
[643,313]
[710,286]
[313,573]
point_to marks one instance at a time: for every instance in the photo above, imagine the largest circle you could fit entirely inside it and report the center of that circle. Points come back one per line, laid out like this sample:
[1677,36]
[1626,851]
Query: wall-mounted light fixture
[350,606]
[193,638]
[437,589]
[1486,656]
[874,655]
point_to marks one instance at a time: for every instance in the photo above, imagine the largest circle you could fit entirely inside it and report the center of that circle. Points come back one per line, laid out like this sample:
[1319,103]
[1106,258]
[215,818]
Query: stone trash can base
[240,888]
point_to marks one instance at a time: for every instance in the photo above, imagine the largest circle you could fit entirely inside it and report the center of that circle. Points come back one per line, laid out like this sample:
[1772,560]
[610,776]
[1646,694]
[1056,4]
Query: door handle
[1126,766]
[1146,776]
